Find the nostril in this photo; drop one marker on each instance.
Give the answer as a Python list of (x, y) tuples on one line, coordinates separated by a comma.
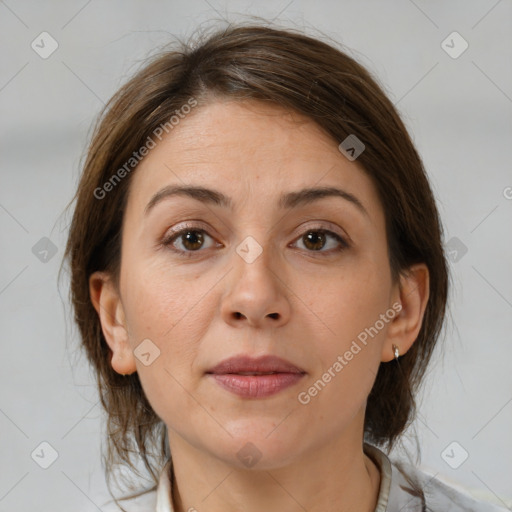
[(237, 315)]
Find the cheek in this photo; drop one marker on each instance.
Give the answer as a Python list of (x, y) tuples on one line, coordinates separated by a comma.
[(348, 357), (160, 301), (352, 329), (167, 310), (174, 310), (354, 299)]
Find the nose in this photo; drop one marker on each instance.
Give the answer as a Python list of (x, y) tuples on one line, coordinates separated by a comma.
[(257, 294)]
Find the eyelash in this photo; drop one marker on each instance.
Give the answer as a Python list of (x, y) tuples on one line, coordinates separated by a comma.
[(168, 240)]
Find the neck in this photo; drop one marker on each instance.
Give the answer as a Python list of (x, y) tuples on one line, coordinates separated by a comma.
[(328, 478)]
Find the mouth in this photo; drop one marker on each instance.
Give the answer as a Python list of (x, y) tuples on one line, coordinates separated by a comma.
[(247, 365), (260, 377), (256, 373)]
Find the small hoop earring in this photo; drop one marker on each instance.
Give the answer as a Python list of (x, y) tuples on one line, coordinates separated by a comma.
[(396, 352)]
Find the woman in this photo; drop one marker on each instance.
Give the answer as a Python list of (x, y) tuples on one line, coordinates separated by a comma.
[(258, 276)]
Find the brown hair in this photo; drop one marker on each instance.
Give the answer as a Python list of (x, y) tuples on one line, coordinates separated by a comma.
[(291, 70)]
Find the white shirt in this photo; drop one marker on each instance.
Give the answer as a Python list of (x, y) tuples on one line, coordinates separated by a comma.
[(395, 495)]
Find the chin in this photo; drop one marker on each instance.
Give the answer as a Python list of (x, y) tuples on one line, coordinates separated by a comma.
[(257, 445)]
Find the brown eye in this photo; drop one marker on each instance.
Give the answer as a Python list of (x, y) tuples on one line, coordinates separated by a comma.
[(314, 240), (192, 240), (188, 240)]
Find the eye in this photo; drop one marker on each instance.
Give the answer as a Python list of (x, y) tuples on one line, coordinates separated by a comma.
[(188, 240), (315, 240)]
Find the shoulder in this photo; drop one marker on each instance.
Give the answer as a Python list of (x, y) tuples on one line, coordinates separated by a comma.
[(406, 488), (438, 496)]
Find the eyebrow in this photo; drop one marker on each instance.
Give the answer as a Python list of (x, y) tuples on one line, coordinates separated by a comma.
[(289, 200)]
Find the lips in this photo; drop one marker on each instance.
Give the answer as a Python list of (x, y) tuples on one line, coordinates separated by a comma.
[(260, 377), (246, 365)]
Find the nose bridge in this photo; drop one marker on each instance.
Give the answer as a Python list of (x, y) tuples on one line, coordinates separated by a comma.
[(255, 291), (255, 273)]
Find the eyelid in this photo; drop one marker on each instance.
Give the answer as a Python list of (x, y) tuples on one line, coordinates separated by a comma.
[(343, 241), (326, 226), (190, 224)]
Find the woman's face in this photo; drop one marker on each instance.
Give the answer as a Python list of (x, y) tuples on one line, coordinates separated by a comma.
[(263, 268)]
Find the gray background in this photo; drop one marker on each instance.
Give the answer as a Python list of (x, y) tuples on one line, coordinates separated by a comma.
[(459, 113)]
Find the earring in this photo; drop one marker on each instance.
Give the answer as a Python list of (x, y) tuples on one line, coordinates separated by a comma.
[(396, 351)]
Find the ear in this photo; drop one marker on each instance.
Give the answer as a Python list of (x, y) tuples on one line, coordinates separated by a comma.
[(411, 293), (107, 303)]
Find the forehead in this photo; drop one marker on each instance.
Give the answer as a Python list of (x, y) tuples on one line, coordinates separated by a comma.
[(245, 149)]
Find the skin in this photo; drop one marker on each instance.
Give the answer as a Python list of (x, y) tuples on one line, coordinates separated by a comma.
[(302, 304)]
